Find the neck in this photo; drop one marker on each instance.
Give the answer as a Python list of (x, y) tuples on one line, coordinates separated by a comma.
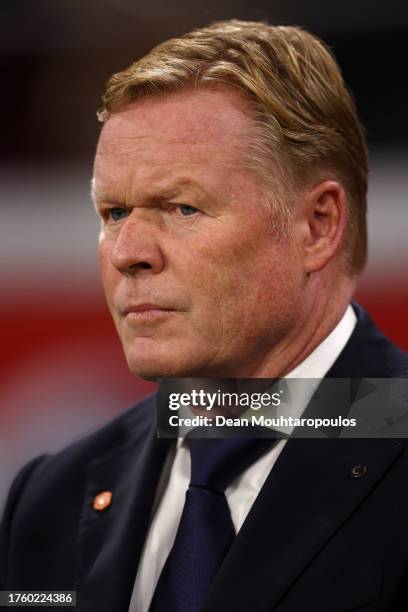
[(320, 313)]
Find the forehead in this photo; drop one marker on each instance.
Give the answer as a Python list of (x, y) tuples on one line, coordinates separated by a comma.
[(193, 130)]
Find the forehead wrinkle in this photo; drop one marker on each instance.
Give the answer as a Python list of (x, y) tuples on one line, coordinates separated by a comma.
[(135, 136), (152, 166), (127, 147)]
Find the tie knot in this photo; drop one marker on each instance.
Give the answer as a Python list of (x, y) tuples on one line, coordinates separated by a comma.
[(216, 462)]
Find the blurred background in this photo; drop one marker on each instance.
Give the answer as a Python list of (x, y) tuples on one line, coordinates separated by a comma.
[(62, 369)]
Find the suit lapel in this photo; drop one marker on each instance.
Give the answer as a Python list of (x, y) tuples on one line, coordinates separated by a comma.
[(111, 541), (368, 353), (306, 498)]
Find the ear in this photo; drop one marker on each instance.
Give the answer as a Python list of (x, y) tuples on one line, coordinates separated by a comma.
[(324, 215)]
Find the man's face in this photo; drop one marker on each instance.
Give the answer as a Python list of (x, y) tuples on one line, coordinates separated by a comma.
[(196, 282)]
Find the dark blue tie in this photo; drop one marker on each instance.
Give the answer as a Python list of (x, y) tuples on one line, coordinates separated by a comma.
[(206, 531)]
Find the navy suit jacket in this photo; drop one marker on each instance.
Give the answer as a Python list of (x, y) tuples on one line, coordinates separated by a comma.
[(315, 539)]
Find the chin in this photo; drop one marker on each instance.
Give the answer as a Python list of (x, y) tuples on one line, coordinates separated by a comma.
[(155, 373), (156, 363), (148, 369)]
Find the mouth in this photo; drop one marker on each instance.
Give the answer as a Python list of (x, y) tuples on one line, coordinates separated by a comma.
[(147, 312)]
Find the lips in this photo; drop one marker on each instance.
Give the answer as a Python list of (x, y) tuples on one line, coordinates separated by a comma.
[(144, 308), (147, 313)]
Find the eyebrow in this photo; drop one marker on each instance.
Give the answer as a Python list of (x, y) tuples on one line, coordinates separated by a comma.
[(164, 193)]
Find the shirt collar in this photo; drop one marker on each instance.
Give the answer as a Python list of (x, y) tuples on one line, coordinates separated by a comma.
[(321, 359)]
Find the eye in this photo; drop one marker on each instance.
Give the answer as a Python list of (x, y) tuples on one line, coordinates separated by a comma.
[(187, 210), (116, 214)]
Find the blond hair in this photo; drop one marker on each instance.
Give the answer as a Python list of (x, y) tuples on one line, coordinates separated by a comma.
[(306, 127)]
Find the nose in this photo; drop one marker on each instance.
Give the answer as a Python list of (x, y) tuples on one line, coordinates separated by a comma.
[(137, 245)]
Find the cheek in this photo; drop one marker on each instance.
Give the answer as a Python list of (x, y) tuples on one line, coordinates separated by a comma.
[(209, 273), (222, 278), (236, 271), (103, 253), (110, 276), (260, 288)]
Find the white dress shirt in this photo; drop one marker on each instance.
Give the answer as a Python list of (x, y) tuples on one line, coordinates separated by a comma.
[(243, 491)]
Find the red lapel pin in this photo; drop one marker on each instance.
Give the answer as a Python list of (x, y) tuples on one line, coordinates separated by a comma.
[(102, 500)]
